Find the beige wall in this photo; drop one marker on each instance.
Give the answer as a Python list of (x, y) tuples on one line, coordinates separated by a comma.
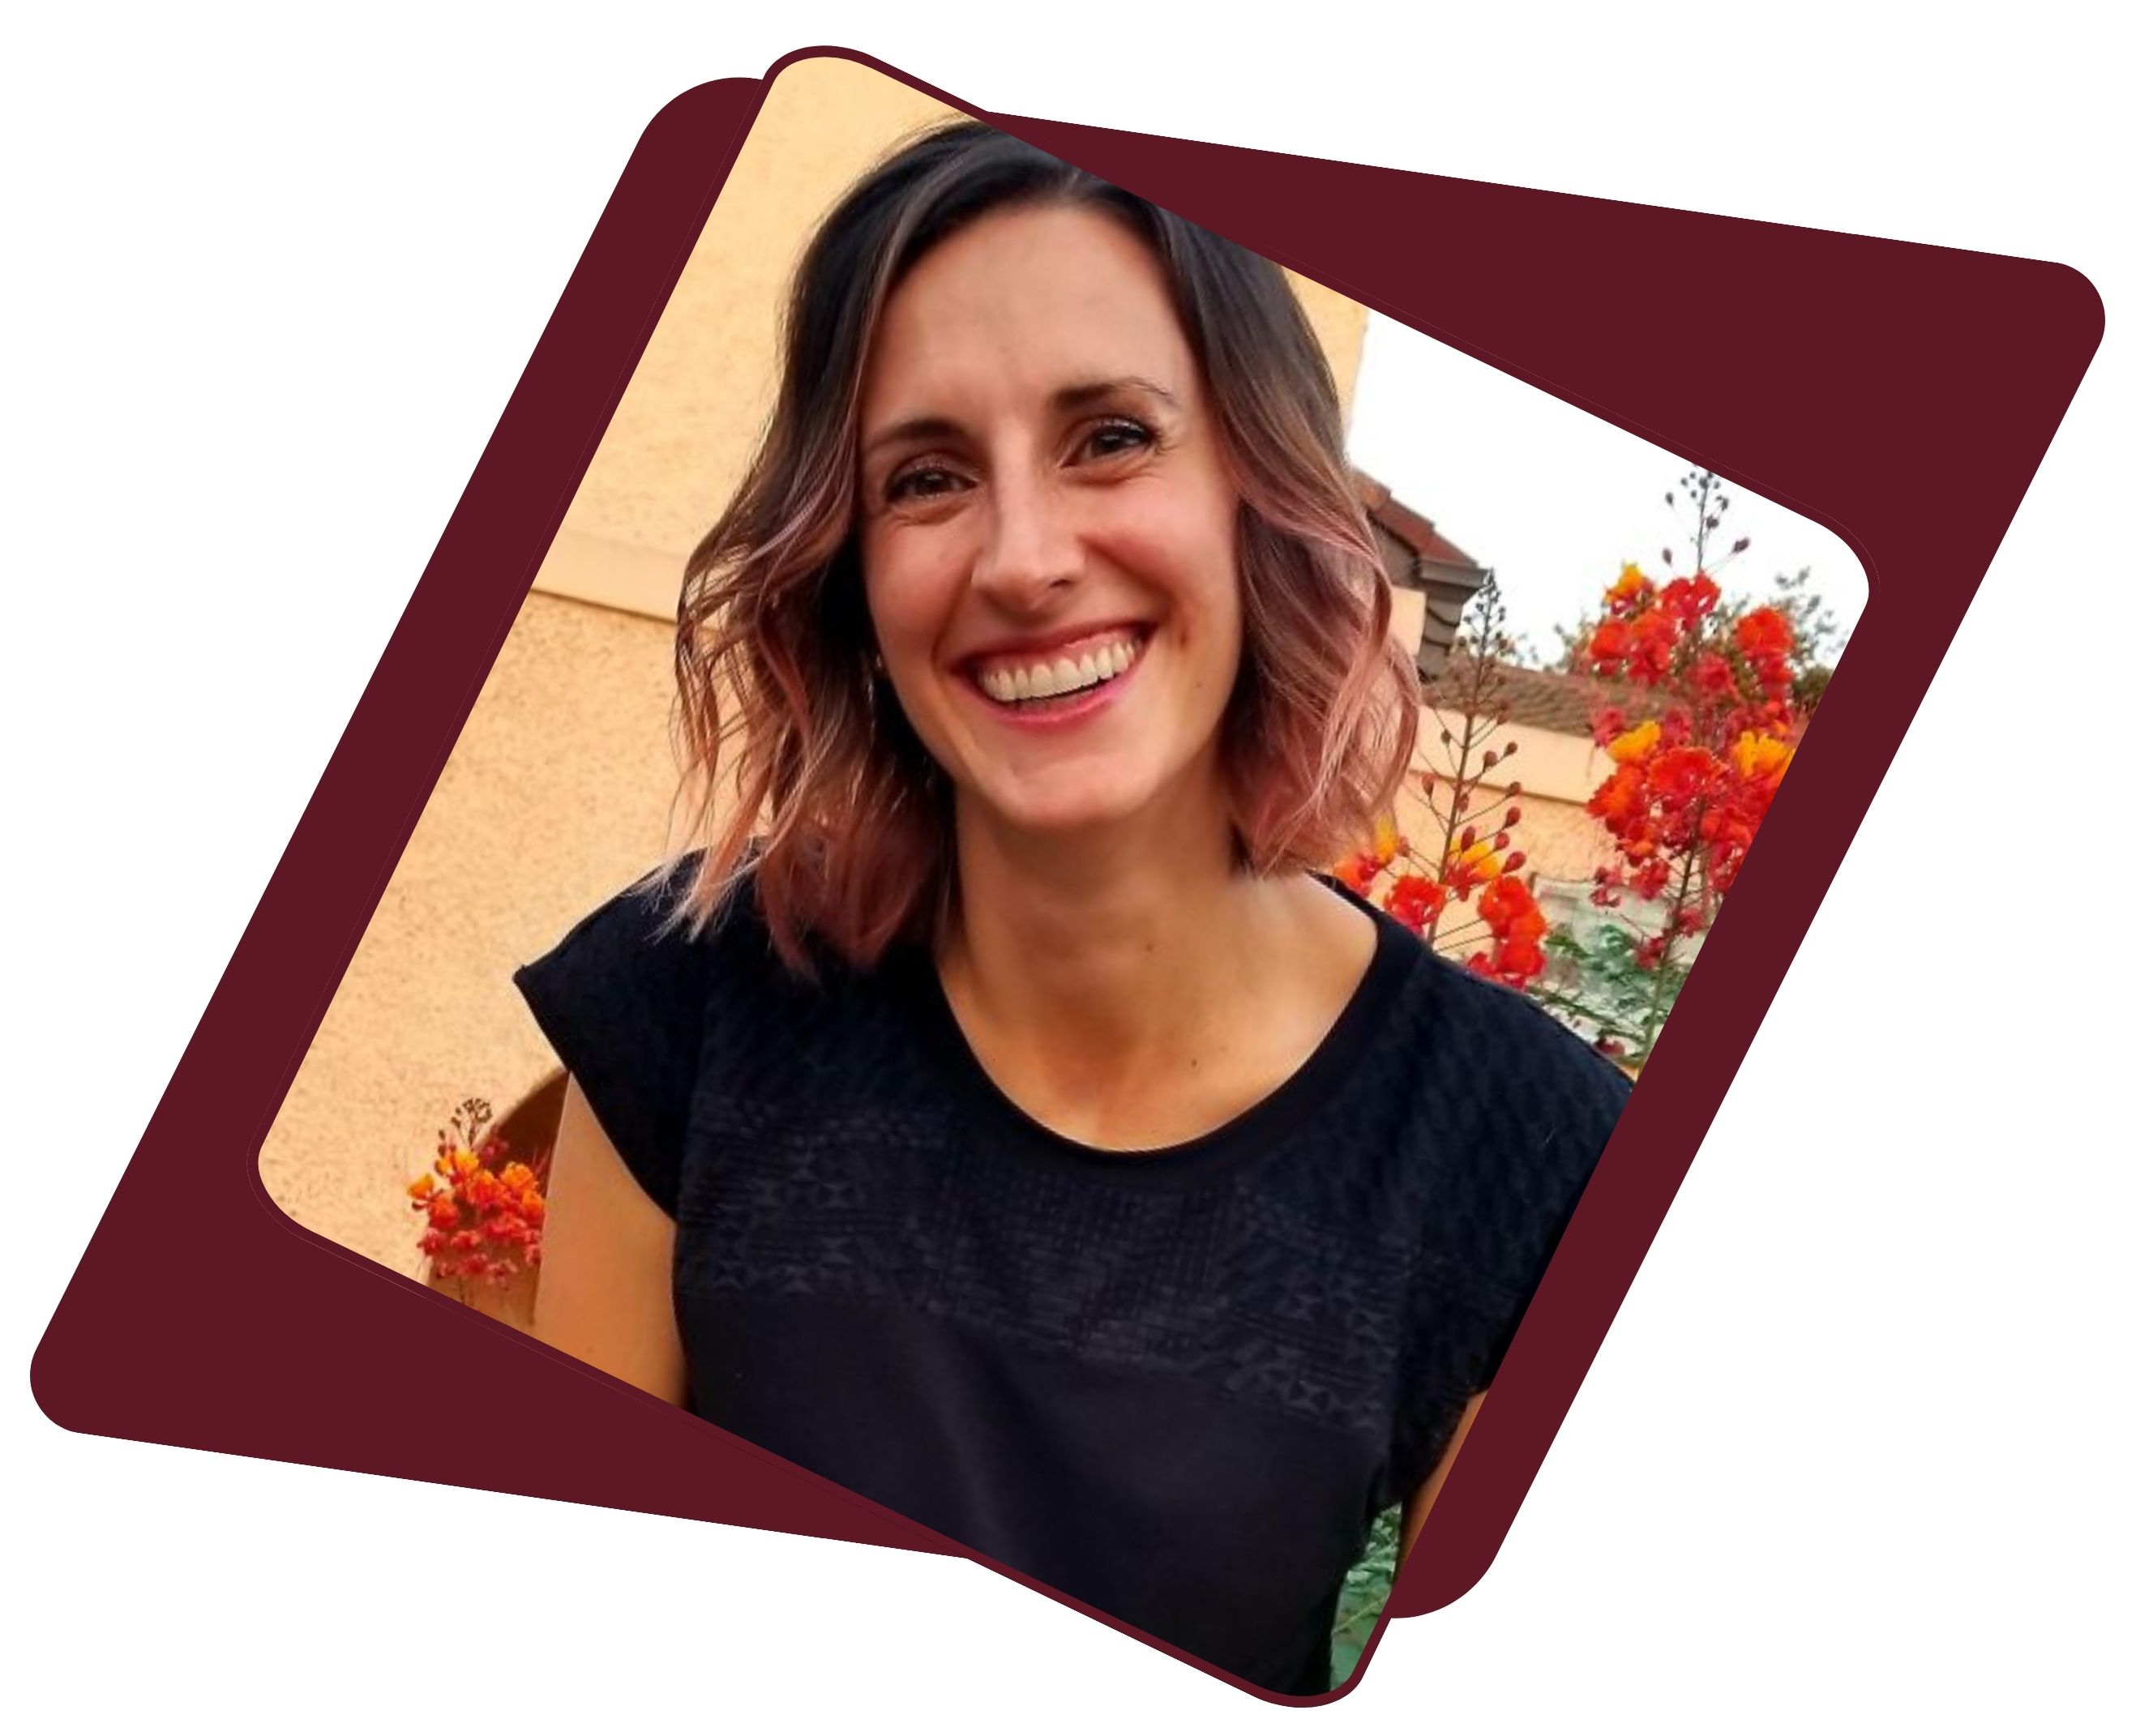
[(557, 792)]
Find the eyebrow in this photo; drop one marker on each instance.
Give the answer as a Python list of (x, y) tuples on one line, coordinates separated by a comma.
[(1080, 395)]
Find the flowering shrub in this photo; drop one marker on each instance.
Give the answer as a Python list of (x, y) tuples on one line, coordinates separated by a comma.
[(1708, 714), (1694, 776), (1460, 892), (1701, 704), (483, 1209)]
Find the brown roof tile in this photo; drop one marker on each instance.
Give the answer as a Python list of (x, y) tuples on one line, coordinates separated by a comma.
[(1408, 526), (1543, 699)]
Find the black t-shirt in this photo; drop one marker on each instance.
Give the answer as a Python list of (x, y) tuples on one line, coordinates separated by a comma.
[(1176, 1386)]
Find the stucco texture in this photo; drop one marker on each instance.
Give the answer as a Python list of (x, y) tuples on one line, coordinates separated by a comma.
[(556, 794)]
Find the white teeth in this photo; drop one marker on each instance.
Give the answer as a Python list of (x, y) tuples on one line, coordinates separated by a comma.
[(1047, 681)]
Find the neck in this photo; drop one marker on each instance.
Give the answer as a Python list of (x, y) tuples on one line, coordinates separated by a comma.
[(1117, 950)]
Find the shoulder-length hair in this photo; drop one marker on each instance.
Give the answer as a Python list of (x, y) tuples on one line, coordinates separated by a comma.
[(836, 812)]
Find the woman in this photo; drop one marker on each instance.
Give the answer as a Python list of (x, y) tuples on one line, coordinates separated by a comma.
[(997, 1115)]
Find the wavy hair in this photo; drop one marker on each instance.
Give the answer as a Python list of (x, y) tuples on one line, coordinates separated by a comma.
[(838, 812)]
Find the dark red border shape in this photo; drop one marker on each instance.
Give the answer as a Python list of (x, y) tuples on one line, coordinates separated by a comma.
[(1901, 395)]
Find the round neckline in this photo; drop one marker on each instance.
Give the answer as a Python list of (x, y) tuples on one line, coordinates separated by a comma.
[(1258, 1128)]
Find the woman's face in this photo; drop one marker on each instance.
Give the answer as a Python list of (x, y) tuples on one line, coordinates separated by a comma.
[(1048, 532)]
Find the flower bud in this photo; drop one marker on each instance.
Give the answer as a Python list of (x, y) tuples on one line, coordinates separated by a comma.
[(1512, 817)]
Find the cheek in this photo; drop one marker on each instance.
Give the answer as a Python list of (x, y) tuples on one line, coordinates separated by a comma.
[(903, 597)]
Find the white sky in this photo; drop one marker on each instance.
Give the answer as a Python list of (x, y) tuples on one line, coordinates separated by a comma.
[(1552, 497)]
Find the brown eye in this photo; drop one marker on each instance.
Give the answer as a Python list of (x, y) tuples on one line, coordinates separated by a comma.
[(928, 482), (1111, 439)]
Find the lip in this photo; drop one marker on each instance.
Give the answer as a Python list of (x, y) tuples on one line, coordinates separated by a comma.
[(1033, 645), (1080, 706)]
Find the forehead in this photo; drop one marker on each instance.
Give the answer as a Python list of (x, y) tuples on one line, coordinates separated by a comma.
[(1018, 304)]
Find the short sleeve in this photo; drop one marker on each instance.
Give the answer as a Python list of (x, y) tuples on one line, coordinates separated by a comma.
[(1520, 1110), (623, 1006), (1562, 1104)]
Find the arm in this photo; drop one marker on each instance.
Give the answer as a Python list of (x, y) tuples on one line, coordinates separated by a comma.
[(1419, 1505), (608, 1258)]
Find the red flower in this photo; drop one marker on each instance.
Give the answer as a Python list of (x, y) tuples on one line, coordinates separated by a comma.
[(1621, 798), (1610, 646), (1681, 775), (1654, 637), (1415, 902), (1689, 600), (1712, 677), (1764, 634)]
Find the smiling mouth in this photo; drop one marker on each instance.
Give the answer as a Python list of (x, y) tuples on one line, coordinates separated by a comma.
[(1038, 683)]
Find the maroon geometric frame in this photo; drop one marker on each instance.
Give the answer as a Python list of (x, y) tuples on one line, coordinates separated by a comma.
[(1901, 395)]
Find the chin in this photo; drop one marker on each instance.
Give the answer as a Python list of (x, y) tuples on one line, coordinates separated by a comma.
[(1076, 806)]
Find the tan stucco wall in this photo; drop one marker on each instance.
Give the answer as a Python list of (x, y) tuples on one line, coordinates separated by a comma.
[(558, 791), (555, 796)]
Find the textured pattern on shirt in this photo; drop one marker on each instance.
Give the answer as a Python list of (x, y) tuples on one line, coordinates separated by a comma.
[(1362, 1273)]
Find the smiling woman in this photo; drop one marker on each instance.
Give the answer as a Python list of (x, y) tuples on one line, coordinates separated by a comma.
[(995, 1111)]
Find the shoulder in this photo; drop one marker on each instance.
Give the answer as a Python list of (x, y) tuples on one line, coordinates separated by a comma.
[(636, 995), (1499, 1118), (1512, 1046), (642, 971), (646, 934), (1463, 1033)]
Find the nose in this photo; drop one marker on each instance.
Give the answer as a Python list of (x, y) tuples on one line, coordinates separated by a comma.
[(1031, 555)]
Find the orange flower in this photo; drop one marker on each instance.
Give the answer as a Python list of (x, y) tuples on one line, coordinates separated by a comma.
[(1758, 755), (1620, 798), (1473, 866), (421, 1188), (1386, 841), (444, 1212), (1634, 746), (1357, 873), (1631, 582)]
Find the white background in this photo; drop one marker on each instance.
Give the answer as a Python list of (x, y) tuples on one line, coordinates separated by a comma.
[(1854, 1455), (1554, 500)]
